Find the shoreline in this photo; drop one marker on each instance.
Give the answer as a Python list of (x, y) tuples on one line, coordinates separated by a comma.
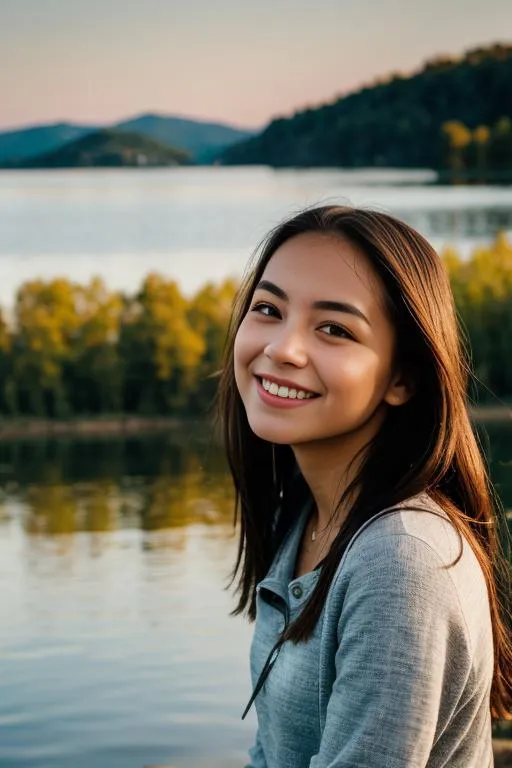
[(12, 429)]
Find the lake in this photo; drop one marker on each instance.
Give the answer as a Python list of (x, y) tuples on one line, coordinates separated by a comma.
[(198, 224), (116, 645)]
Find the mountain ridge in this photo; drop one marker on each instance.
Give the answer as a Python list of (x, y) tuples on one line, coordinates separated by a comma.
[(207, 137), (107, 148)]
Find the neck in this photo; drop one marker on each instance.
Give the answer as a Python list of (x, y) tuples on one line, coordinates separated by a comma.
[(327, 482), (328, 467)]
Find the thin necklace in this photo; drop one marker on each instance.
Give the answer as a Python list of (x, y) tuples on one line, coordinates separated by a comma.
[(314, 532)]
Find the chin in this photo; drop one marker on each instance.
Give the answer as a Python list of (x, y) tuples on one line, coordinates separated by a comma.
[(272, 433), (279, 434)]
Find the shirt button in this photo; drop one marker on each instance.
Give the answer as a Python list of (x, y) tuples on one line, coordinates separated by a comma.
[(297, 591)]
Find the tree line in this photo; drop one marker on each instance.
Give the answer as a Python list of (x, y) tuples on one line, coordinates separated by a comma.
[(482, 287), (71, 349), (78, 350)]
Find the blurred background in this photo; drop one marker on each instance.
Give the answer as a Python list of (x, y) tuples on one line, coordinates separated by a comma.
[(145, 150)]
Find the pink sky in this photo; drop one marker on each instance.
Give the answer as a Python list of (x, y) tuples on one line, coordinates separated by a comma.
[(227, 60)]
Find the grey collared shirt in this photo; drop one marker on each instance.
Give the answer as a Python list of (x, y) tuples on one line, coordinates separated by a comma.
[(399, 668)]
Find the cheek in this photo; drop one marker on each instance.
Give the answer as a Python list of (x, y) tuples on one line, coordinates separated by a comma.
[(359, 371), (248, 342), (243, 352), (240, 347)]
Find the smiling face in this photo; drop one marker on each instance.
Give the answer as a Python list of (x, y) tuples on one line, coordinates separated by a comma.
[(314, 355)]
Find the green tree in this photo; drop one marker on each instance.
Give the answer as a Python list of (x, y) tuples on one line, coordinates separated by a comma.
[(94, 375), (8, 402), (501, 145)]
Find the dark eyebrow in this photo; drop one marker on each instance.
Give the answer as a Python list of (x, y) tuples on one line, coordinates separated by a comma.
[(331, 306), (266, 285)]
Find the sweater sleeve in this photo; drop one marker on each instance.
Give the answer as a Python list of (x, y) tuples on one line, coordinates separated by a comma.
[(256, 754), (401, 643)]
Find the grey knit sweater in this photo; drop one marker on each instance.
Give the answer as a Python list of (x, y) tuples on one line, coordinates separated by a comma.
[(398, 671)]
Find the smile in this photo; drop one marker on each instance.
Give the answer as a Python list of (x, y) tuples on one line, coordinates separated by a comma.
[(285, 392), (283, 395)]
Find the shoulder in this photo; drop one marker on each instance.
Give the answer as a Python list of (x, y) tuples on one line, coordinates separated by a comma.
[(418, 525), (409, 558)]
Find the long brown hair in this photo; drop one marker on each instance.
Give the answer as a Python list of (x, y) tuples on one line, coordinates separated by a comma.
[(434, 446)]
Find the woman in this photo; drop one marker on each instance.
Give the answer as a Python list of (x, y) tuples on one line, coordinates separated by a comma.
[(369, 553)]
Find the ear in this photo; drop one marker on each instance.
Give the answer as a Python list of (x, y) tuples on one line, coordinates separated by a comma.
[(400, 390)]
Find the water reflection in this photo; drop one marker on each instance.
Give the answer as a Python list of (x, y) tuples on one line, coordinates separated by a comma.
[(152, 483), (99, 485)]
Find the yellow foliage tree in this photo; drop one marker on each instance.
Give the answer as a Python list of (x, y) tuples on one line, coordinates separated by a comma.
[(481, 134), (459, 136), (174, 344), (46, 323), (161, 349), (96, 374), (100, 314), (209, 314)]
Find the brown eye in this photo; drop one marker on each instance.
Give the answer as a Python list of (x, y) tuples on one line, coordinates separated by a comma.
[(335, 330), (265, 309)]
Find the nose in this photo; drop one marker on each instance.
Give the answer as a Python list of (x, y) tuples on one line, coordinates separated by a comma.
[(287, 348)]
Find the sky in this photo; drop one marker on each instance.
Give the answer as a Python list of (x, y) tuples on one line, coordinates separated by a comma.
[(234, 61)]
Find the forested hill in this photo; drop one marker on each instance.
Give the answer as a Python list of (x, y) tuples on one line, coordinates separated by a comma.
[(107, 148), (393, 123)]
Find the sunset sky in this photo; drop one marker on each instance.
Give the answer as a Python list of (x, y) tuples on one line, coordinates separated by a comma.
[(99, 61)]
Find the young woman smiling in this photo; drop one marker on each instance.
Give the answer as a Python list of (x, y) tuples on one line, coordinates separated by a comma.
[(369, 549)]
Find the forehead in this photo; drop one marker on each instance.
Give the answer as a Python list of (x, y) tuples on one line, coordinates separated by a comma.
[(315, 266)]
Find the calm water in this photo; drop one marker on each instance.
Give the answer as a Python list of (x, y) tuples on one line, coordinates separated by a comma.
[(196, 224), (116, 648)]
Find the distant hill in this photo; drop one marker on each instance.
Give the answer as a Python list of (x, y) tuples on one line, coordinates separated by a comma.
[(108, 148), (203, 141), (16, 145), (393, 123)]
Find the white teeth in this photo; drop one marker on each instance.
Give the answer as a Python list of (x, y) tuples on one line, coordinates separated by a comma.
[(285, 392)]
